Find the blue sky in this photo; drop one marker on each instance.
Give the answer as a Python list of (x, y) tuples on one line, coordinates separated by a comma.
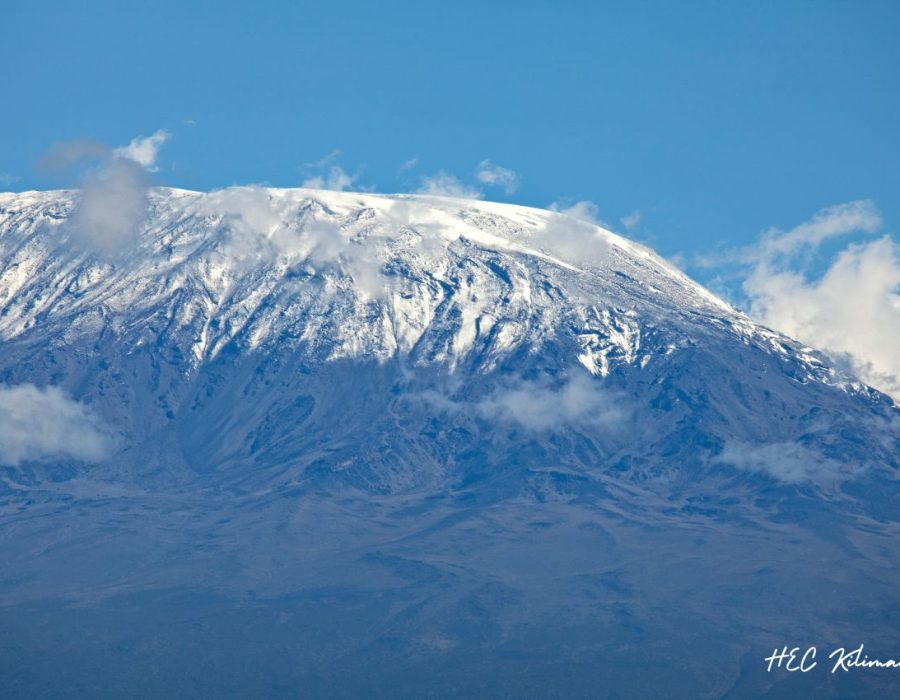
[(714, 120)]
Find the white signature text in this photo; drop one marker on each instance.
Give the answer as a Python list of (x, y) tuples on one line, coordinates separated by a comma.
[(800, 659)]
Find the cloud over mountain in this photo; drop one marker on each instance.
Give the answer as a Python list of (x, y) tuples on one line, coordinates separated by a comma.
[(38, 424)]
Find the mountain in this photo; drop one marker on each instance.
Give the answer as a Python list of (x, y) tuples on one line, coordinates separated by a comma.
[(301, 443)]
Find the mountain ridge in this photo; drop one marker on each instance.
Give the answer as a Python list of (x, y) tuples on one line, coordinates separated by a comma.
[(421, 446), (242, 211)]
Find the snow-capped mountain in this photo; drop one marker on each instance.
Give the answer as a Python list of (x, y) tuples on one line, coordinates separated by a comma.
[(426, 429), (426, 278)]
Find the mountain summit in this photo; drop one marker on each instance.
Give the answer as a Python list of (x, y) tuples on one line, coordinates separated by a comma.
[(442, 443)]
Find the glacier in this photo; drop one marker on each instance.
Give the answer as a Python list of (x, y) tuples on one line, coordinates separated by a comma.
[(415, 446)]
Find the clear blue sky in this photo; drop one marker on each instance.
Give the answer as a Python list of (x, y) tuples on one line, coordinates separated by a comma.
[(714, 119)]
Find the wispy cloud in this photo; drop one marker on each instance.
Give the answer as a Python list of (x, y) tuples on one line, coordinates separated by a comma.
[(838, 220), (112, 203), (852, 310), (630, 221), (327, 174), (494, 175), (789, 462), (583, 210), (113, 194), (42, 424), (573, 233), (261, 228), (6, 179), (443, 184), (336, 178), (64, 154), (541, 405), (446, 184)]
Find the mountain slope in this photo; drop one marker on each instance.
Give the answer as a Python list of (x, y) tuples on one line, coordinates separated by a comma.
[(437, 292), (404, 434)]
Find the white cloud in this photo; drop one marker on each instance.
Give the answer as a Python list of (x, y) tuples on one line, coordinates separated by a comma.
[(6, 179), (629, 221), (251, 223), (833, 221), (409, 163), (113, 195), (111, 204), (583, 210), (789, 462), (143, 150), (494, 175), (327, 174), (336, 178), (43, 424), (443, 184), (574, 233), (262, 228), (540, 406), (852, 310)]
